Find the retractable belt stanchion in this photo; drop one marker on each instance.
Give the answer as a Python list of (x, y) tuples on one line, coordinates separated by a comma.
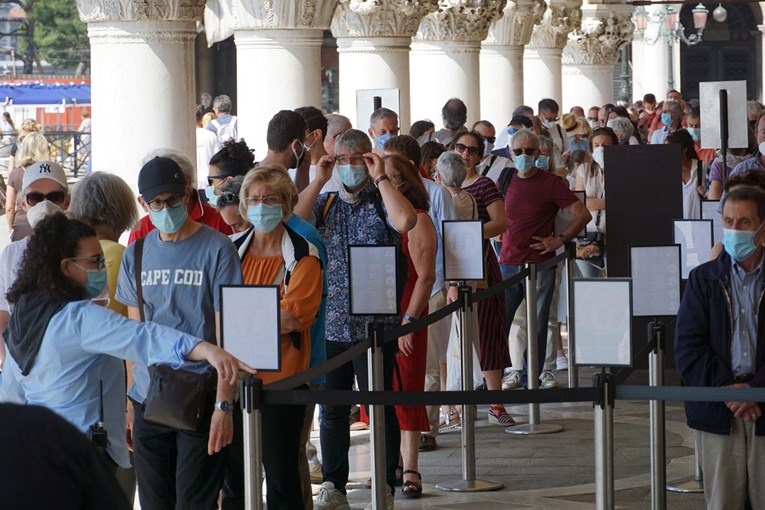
[(573, 369), (658, 440), (468, 483), (534, 426), (250, 401), (604, 441), (693, 483), (377, 416)]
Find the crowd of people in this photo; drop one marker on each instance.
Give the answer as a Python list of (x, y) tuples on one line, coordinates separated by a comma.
[(107, 316)]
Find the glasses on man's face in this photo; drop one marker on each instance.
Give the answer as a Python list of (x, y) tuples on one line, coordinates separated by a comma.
[(267, 200), (173, 202), (460, 148), (355, 159), (528, 152), (99, 262), (35, 197)]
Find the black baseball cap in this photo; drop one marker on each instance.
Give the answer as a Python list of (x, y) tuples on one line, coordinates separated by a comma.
[(160, 175)]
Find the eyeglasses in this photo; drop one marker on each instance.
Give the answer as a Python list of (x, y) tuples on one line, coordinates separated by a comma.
[(35, 197), (100, 262), (356, 159), (211, 178), (173, 202), (528, 152), (267, 200), (471, 150)]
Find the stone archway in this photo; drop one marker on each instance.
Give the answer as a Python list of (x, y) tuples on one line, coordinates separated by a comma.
[(729, 50)]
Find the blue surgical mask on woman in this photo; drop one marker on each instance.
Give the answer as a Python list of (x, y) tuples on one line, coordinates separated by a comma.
[(96, 281), (352, 176), (542, 162), (212, 198), (170, 219), (739, 244), (523, 163), (265, 218)]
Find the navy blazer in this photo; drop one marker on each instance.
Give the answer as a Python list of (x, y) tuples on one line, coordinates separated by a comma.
[(703, 343)]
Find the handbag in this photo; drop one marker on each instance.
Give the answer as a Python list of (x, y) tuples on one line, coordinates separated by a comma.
[(592, 247), (176, 398)]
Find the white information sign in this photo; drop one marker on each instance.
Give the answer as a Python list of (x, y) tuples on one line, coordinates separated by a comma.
[(695, 240), (710, 112), (250, 316), (655, 272), (463, 250), (373, 280), (602, 321), (709, 211), (365, 101)]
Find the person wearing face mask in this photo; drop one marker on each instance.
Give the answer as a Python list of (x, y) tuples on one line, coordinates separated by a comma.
[(576, 130), (316, 131), (383, 125), (232, 160), (272, 253), (54, 313), (693, 126), (692, 174), (671, 118), (183, 263), (592, 117), (532, 202), (505, 138), (548, 115), (492, 165), (719, 342), (196, 209), (757, 161), (732, 159)]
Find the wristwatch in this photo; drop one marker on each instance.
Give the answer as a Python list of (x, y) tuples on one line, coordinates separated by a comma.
[(224, 406), (563, 238)]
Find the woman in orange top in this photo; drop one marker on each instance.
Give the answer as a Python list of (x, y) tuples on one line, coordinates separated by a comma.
[(273, 254)]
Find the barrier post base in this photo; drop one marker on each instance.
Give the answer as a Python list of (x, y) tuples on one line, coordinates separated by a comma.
[(530, 429), (687, 485), (470, 486)]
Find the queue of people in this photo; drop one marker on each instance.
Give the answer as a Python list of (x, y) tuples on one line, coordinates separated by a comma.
[(107, 316)]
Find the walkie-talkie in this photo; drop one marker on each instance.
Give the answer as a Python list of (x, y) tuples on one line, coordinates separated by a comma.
[(97, 432)]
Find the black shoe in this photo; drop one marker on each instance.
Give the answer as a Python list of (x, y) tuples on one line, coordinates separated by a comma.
[(427, 443)]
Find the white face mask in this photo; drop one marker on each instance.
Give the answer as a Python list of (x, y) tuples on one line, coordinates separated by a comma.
[(598, 154), (761, 147), (41, 210)]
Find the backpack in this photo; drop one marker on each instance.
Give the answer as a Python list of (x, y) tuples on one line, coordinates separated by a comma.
[(227, 131), (504, 176), (402, 263)]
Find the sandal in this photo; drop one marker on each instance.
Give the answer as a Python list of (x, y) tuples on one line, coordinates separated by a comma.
[(498, 416), (450, 422), (410, 489)]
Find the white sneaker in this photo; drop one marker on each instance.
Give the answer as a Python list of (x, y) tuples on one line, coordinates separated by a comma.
[(314, 469), (561, 363), (547, 380), (330, 498), (511, 381), (388, 500)]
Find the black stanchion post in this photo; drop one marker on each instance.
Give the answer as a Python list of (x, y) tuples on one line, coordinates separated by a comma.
[(656, 334), (724, 134), (604, 441), (532, 357), (573, 369), (468, 483), (250, 400), (377, 415)]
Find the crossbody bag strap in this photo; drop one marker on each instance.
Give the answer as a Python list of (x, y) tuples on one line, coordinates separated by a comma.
[(138, 287)]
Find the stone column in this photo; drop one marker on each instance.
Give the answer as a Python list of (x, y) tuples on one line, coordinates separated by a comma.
[(650, 57), (592, 51), (373, 41), (502, 59), (142, 72), (278, 60), (542, 58), (761, 56), (445, 56)]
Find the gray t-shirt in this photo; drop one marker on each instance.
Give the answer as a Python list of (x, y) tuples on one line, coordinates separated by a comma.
[(180, 282)]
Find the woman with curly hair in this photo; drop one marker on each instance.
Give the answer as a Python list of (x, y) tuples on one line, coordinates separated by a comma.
[(233, 159), (62, 344)]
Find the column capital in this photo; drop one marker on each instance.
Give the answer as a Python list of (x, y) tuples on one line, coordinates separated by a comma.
[(604, 30), (94, 11), (514, 28), (560, 18), (380, 18), (282, 14), (460, 20)]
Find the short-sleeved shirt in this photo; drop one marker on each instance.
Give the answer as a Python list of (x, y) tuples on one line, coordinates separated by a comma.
[(346, 224), (15, 179), (180, 282), (531, 206), (752, 163), (485, 193)]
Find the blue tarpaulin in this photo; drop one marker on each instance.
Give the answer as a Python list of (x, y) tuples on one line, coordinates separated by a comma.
[(45, 93)]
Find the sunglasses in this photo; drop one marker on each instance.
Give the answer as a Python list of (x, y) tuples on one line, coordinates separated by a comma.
[(471, 150), (528, 152), (211, 178), (35, 197)]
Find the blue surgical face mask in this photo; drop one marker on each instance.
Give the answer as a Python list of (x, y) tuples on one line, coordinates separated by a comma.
[(694, 132), (511, 131), (96, 281), (523, 163), (352, 176), (212, 198), (170, 219), (264, 217), (739, 244), (381, 139), (542, 162), (666, 119)]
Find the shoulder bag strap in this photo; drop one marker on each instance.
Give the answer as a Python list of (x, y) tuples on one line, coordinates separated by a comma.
[(138, 288)]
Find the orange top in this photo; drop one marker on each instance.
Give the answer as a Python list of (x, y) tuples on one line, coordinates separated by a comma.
[(301, 300)]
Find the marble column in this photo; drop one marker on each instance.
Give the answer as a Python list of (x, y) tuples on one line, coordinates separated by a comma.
[(373, 42), (592, 51), (761, 55), (444, 62), (502, 59), (142, 73), (650, 58), (542, 57), (278, 60)]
